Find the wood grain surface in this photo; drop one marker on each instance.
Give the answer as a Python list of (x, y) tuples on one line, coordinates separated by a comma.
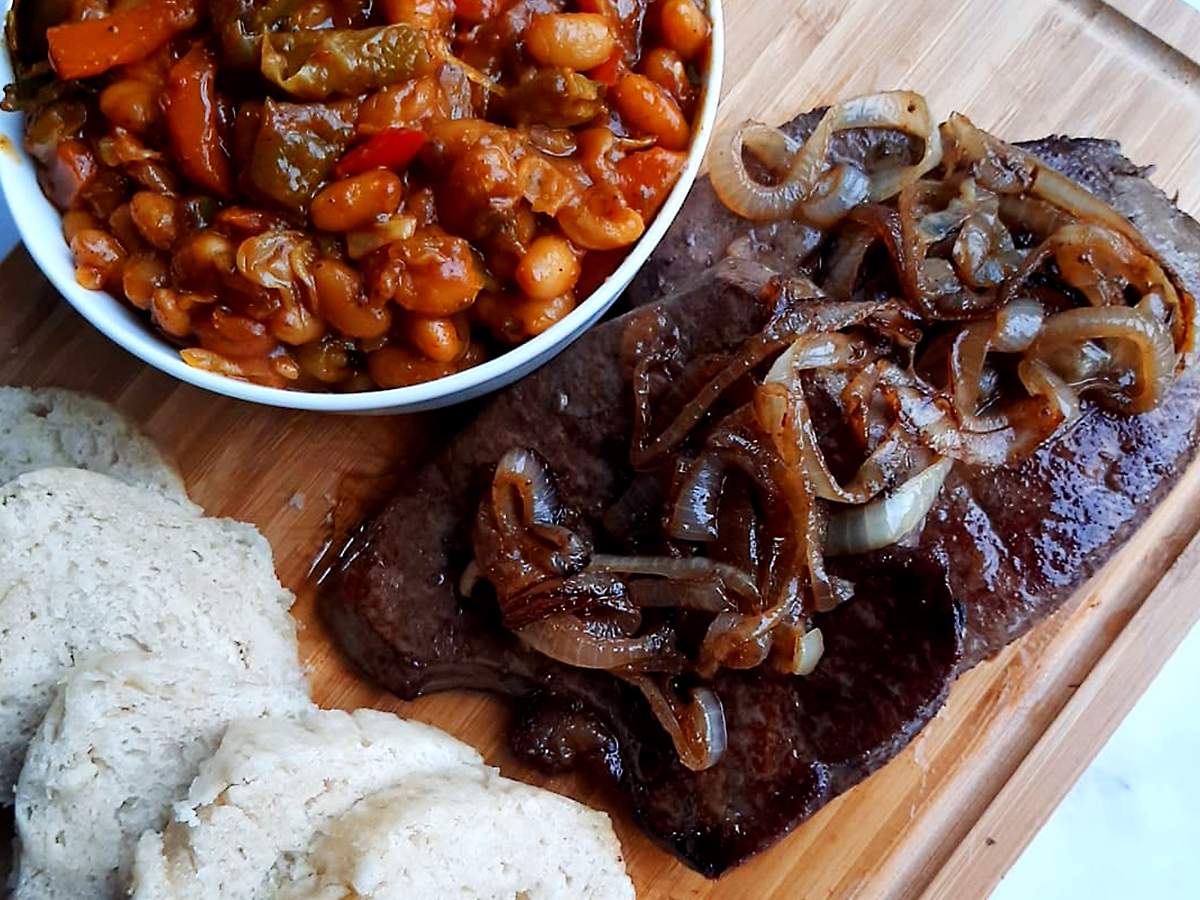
[(1171, 21), (949, 815)]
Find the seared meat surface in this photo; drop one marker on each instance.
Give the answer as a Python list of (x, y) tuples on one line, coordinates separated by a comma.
[(1016, 541), (1000, 550)]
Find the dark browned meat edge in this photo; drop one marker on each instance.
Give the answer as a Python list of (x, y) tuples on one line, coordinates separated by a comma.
[(1001, 550)]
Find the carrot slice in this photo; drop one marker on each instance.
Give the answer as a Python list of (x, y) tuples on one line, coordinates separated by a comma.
[(193, 121), (93, 46)]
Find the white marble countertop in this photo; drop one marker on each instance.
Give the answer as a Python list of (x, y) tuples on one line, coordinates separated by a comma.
[(1128, 827)]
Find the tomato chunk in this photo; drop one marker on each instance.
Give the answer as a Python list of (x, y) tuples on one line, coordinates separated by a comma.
[(610, 71), (648, 176)]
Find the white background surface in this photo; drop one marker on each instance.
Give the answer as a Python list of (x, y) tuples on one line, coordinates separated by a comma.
[(1128, 828)]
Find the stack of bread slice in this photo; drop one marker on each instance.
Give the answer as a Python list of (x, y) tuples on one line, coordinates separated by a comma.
[(157, 738)]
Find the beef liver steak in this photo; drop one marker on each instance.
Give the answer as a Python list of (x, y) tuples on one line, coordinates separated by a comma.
[(1001, 550)]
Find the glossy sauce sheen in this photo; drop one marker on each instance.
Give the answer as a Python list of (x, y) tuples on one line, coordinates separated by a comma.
[(1001, 550), (365, 133)]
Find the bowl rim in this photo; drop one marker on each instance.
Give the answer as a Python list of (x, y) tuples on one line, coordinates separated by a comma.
[(128, 330)]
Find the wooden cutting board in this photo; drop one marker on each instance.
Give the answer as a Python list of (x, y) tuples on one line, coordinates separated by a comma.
[(948, 816)]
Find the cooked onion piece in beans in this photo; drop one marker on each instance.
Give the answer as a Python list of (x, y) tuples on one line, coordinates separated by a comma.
[(390, 190)]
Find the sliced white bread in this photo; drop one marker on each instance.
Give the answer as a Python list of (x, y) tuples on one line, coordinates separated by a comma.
[(90, 565), (122, 741), (468, 833), (43, 428), (271, 787)]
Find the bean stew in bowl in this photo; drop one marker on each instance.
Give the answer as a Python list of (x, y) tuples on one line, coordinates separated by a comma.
[(354, 204)]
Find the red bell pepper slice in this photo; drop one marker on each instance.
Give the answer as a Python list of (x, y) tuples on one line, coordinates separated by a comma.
[(392, 148)]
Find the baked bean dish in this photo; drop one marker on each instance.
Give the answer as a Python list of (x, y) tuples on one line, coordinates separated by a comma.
[(347, 194)]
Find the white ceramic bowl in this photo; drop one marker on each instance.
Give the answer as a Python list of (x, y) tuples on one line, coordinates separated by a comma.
[(40, 226)]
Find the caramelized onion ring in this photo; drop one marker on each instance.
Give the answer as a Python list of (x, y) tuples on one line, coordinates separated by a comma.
[(696, 727), (743, 194), (738, 641), (659, 593), (689, 569), (1025, 425), (567, 639), (784, 414), (838, 192), (795, 651), (967, 145), (694, 513), (886, 520), (533, 519), (1155, 360), (803, 318), (1017, 325)]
